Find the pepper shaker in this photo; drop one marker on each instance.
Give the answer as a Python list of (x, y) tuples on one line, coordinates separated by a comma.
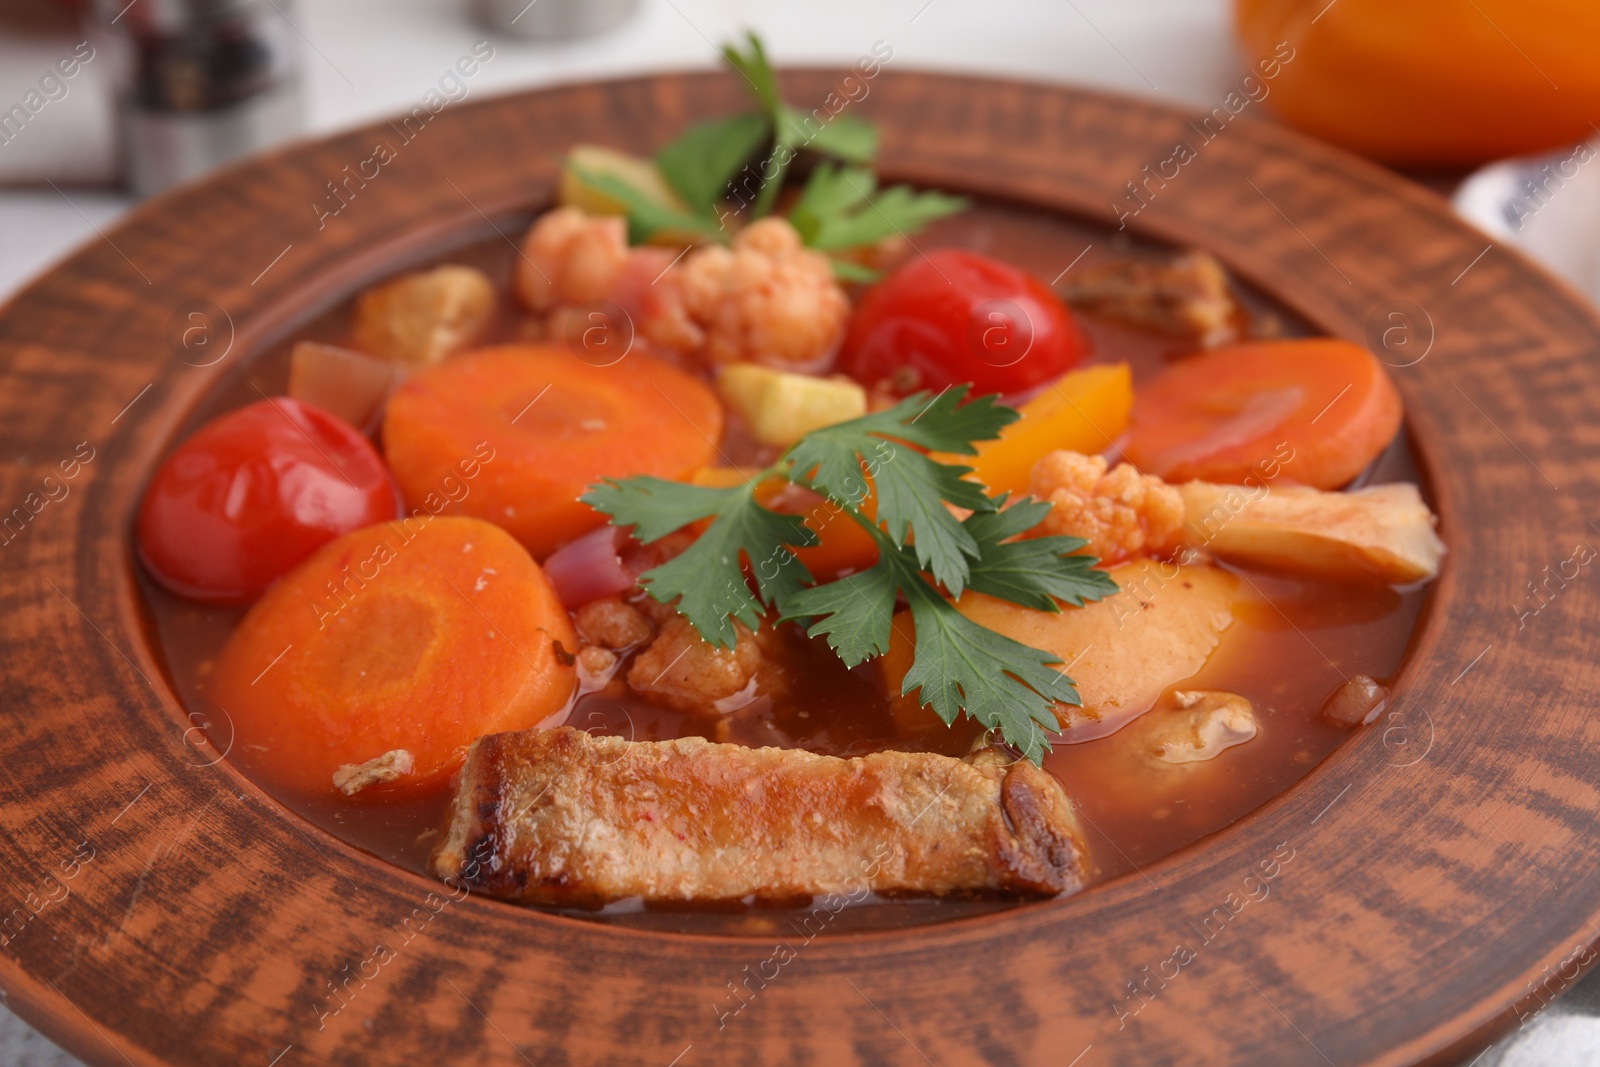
[(199, 83)]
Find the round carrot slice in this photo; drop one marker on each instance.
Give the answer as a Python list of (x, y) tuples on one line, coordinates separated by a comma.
[(374, 664), (1313, 411), (535, 426)]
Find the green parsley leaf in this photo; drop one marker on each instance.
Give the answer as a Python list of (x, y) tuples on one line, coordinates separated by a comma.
[(708, 576), (846, 271), (699, 162), (646, 216), (961, 666), (910, 488), (1035, 573), (957, 665), (852, 613), (837, 208), (842, 136), (758, 74)]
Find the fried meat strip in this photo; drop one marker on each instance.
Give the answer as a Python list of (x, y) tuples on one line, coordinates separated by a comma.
[(1187, 296), (565, 817)]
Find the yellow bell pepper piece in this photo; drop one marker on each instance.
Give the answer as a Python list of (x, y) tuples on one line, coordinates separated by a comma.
[(1085, 410)]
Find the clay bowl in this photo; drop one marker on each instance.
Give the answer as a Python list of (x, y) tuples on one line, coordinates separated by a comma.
[(1441, 873)]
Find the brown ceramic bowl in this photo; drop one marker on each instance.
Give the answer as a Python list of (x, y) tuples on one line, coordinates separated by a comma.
[(1442, 873)]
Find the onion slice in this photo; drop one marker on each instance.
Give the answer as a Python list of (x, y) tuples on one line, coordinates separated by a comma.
[(349, 384), (590, 567)]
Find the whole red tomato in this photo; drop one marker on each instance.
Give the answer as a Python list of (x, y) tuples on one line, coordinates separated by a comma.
[(953, 316), (253, 493)]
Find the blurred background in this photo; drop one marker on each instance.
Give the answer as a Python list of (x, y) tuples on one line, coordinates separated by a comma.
[(1492, 103)]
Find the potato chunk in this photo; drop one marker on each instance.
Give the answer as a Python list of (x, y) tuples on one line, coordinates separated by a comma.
[(1382, 531), (682, 670), (780, 408), (420, 318), (1126, 650)]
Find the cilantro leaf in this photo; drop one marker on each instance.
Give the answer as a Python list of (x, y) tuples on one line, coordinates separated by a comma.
[(699, 162), (646, 216), (961, 666), (837, 209), (655, 507), (847, 271), (709, 575), (852, 613), (763, 84), (757, 73), (842, 136), (910, 489), (1035, 573), (957, 665)]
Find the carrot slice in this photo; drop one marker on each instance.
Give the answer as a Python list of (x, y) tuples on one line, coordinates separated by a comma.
[(401, 642), (553, 425), (1315, 410)]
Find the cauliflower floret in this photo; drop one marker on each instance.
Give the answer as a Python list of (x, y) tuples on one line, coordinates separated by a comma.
[(1121, 514), (682, 670), (570, 257), (767, 298)]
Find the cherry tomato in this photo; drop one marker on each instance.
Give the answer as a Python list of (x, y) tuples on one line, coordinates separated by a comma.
[(253, 493), (954, 316)]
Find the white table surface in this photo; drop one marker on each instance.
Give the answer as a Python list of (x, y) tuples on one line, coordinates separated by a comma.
[(366, 59)]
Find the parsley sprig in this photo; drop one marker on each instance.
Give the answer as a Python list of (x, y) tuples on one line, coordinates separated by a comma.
[(743, 566), (731, 170)]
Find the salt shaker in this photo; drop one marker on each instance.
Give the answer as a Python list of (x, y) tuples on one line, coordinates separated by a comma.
[(199, 83), (555, 20)]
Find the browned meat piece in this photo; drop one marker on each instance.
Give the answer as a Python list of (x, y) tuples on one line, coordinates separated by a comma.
[(610, 623), (1186, 296), (564, 817), (682, 670), (418, 319)]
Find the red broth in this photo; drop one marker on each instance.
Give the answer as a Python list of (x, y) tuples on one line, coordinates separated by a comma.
[(1298, 644)]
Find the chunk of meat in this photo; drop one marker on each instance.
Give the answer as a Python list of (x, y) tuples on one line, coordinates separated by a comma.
[(682, 670), (1122, 514), (565, 817), (1187, 295), (1382, 532), (420, 318), (1205, 724), (612, 623), (595, 665), (570, 257)]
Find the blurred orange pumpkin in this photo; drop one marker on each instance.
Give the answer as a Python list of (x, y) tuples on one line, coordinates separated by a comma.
[(1432, 82)]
